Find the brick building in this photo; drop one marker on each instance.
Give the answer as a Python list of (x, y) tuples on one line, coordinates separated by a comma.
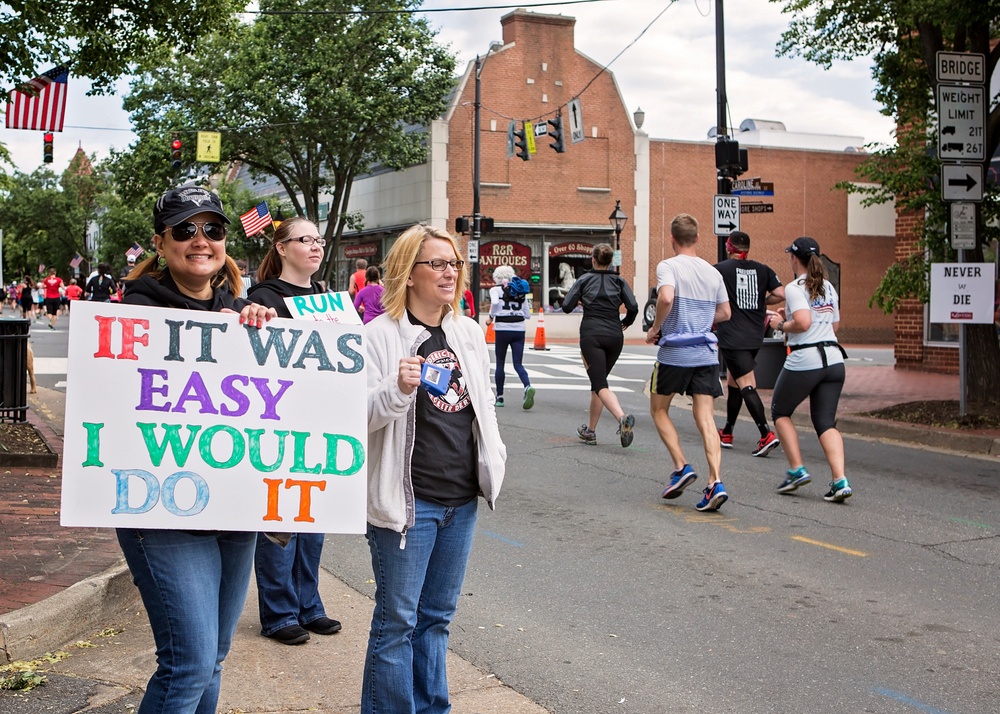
[(551, 210)]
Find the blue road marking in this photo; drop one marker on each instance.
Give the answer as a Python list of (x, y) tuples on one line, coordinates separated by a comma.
[(912, 702), (502, 539)]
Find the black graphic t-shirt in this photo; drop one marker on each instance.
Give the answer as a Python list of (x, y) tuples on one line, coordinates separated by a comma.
[(747, 283), (443, 466)]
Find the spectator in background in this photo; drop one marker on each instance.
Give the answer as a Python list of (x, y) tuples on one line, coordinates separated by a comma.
[(368, 301), (469, 304), (245, 276), (357, 277), (129, 264)]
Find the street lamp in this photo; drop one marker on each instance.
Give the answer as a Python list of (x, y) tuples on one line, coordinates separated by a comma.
[(618, 220), (477, 217)]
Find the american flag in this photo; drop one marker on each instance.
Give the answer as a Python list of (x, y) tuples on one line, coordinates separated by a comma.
[(40, 104), (135, 251), (77, 259), (256, 219)]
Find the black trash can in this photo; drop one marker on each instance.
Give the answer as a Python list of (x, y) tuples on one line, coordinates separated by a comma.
[(770, 360), (14, 369)]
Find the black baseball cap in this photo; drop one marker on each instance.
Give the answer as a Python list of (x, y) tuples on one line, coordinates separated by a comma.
[(803, 247), (179, 204)]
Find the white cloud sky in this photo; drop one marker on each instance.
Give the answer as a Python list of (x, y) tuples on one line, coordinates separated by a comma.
[(669, 72)]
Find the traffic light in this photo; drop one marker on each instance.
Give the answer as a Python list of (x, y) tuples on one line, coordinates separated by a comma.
[(556, 133), (175, 153), (47, 147), (521, 144), (462, 225)]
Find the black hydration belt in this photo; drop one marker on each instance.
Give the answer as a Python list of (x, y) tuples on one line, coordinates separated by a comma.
[(821, 347)]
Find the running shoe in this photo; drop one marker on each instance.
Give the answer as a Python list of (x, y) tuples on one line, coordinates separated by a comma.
[(766, 445), (625, 425), (715, 496), (499, 402), (679, 480), (839, 491), (793, 479), (529, 397), (586, 435), (725, 439)]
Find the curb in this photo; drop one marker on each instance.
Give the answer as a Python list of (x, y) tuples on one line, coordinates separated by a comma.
[(75, 612), (948, 439)]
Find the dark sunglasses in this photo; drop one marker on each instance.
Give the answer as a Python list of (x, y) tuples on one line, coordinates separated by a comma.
[(189, 229)]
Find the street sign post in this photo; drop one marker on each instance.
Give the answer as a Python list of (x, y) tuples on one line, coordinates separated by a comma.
[(727, 214), (962, 182), (961, 122)]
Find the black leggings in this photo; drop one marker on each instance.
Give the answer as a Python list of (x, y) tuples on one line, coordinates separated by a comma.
[(822, 386), (514, 339), (600, 352)]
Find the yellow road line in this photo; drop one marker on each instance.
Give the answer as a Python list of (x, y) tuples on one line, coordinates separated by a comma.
[(821, 544)]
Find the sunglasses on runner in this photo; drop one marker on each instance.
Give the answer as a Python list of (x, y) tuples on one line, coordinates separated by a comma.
[(189, 229)]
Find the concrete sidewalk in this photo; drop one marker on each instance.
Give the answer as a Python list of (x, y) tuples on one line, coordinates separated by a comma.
[(59, 585)]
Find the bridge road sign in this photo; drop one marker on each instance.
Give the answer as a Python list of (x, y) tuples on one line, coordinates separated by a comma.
[(727, 214)]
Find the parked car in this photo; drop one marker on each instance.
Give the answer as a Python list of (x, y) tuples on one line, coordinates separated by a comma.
[(649, 311)]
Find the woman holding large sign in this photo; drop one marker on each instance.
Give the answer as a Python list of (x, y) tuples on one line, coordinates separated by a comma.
[(288, 597), (193, 583), (434, 448)]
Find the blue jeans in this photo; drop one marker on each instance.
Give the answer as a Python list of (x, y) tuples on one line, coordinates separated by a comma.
[(515, 340), (288, 581), (416, 593), (193, 586)]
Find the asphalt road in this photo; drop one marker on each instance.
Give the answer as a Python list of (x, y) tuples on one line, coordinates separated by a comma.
[(589, 593)]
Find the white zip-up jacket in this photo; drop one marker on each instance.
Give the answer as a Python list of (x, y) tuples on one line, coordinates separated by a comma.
[(392, 415)]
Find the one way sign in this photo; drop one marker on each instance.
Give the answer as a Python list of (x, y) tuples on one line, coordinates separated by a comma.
[(727, 214)]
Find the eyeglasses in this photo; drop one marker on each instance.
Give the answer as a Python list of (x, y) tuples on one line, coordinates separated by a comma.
[(439, 264), (189, 229), (308, 240)]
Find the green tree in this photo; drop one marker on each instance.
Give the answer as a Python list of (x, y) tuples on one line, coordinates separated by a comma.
[(41, 224), (902, 38), (102, 39), (312, 100)]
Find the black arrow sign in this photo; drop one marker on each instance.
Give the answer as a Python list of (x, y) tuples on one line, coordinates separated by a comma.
[(731, 226), (968, 182)]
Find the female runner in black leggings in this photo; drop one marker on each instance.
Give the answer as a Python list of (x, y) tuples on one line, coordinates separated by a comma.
[(602, 293)]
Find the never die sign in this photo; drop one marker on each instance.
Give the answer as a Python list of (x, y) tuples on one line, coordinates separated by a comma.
[(187, 419)]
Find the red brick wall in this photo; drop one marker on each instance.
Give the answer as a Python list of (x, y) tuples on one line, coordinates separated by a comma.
[(683, 179)]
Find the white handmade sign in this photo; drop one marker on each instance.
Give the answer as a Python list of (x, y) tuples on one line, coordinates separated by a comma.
[(324, 307), (188, 419), (962, 292)]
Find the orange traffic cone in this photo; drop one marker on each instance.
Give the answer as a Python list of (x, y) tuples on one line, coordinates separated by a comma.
[(540, 331), (491, 335)]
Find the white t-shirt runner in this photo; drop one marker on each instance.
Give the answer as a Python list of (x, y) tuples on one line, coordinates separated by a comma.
[(825, 311), (698, 289)]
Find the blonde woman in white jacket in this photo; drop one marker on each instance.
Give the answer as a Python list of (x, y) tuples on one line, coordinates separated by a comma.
[(434, 449)]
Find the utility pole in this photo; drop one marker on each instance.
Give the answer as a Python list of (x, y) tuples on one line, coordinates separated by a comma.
[(725, 185), (477, 217)]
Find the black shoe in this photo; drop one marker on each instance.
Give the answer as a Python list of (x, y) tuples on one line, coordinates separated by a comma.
[(323, 626), (291, 635)]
